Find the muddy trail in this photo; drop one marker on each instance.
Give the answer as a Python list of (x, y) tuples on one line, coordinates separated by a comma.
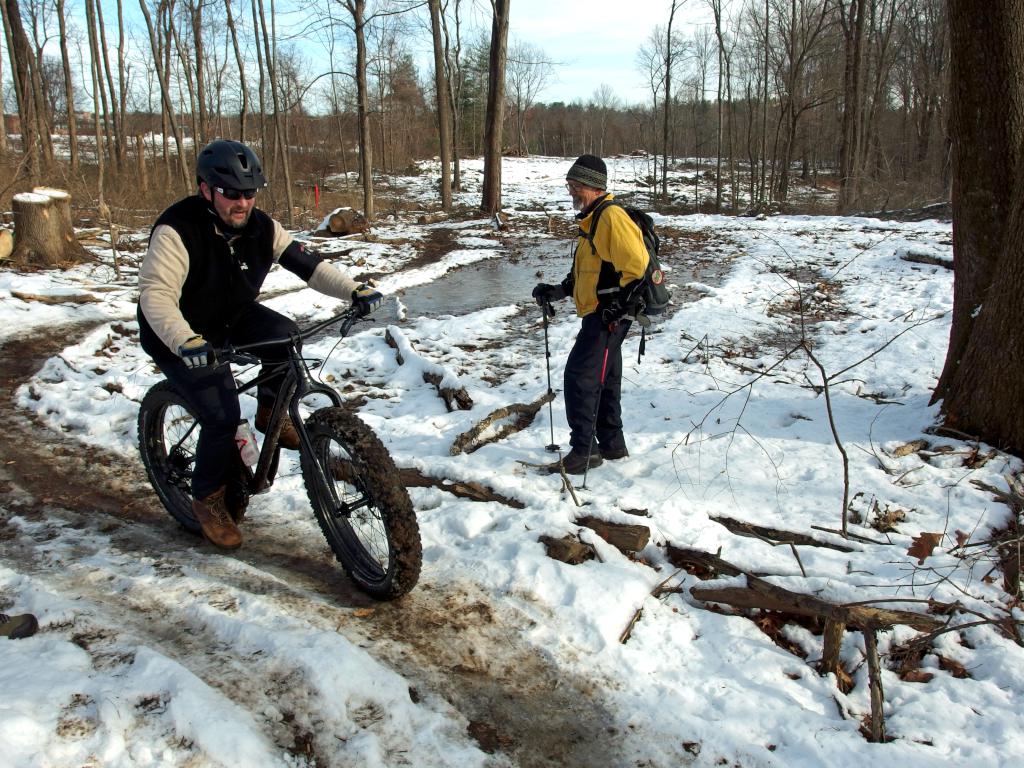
[(456, 645)]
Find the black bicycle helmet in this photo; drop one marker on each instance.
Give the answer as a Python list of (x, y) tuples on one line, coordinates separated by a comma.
[(229, 164)]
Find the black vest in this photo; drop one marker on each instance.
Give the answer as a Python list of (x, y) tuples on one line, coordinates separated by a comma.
[(223, 277)]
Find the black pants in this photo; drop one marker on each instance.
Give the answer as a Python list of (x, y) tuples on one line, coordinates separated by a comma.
[(212, 394), (584, 390)]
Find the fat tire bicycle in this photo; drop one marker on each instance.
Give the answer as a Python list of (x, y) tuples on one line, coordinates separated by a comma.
[(351, 480)]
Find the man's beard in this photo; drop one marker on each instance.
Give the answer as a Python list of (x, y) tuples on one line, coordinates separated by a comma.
[(237, 227)]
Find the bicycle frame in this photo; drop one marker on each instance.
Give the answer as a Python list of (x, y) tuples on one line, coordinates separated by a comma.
[(298, 383)]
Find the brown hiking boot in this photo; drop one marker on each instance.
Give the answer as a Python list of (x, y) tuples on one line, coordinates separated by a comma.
[(288, 438), (215, 520), (17, 627)]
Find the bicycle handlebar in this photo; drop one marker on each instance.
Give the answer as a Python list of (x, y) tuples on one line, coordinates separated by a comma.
[(233, 354)]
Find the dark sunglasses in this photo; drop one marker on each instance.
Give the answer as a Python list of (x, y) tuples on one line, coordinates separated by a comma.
[(235, 194)]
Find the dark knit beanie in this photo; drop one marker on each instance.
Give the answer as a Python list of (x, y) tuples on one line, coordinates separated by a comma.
[(589, 170)]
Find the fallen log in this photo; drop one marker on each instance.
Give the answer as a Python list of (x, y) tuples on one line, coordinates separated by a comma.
[(929, 259), (465, 489), (763, 595), (473, 438), (776, 535), (432, 373), (625, 538), (567, 549)]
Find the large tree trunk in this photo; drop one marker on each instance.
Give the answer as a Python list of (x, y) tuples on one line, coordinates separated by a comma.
[(981, 384), (852, 18), (491, 199)]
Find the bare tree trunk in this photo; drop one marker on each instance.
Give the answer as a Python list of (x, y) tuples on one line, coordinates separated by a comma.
[(981, 382), (21, 74), (122, 74), (667, 99), (262, 85), (278, 129), (762, 195), (243, 115), (453, 62), (491, 198), (165, 96), (716, 8), (357, 9), (96, 86), (441, 88), (852, 18), (195, 10), (69, 91), (114, 131)]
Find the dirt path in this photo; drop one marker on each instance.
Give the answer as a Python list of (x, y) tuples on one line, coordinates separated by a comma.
[(453, 644)]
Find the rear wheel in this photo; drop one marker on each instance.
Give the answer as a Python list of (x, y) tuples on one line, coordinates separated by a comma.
[(168, 434), (361, 505)]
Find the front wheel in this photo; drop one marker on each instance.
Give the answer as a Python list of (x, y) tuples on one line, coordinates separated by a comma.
[(361, 505), (168, 435)]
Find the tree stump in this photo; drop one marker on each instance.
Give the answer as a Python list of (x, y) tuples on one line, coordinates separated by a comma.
[(43, 234), (345, 221)]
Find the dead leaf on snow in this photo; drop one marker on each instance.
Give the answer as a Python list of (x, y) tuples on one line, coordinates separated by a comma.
[(923, 545)]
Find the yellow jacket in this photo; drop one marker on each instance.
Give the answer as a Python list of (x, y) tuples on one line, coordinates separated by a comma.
[(620, 257)]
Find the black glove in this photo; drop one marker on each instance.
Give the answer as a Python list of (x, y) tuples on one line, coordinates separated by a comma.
[(545, 293), (366, 299), (631, 298), (196, 353), (611, 311)]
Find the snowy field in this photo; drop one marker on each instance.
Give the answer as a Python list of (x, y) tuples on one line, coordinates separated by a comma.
[(725, 418)]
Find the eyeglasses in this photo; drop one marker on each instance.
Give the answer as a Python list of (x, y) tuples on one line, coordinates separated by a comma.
[(235, 194), (574, 187)]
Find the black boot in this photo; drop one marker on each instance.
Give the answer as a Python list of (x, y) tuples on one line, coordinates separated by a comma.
[(575, 463)]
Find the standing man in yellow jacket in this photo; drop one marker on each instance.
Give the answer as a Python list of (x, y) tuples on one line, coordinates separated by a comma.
[(604, 283)]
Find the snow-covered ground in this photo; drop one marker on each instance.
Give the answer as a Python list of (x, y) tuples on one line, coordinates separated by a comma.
[(725, 417)]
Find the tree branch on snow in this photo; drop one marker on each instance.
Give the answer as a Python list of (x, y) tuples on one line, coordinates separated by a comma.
[(446, 382)]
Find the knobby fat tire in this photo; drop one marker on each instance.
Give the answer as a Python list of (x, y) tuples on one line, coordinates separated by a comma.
[(372, 468), (152, 426)]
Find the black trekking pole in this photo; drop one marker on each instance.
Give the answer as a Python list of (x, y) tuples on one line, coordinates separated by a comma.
[(597, 405), (549, 312)]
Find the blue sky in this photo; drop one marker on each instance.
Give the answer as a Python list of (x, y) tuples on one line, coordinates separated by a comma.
[(596, 42)]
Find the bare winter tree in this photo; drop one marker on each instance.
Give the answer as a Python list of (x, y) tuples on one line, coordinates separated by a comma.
[(491, 198), (604, 102), (527, 72), (981, 384), (69, 89), (444, 132), (670, 53), (22, 67)]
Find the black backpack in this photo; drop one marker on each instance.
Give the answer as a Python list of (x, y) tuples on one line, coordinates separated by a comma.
[(654, 293)]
